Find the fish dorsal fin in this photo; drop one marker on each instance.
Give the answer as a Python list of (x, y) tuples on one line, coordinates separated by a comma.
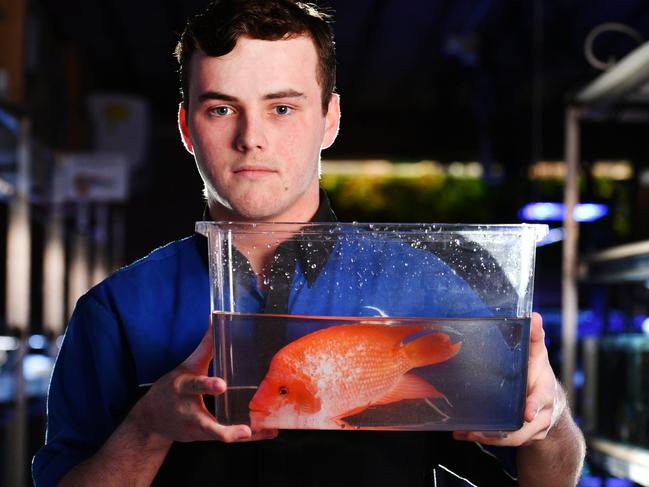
[(303, 395), (430, 349), (410, 386), (396, 333)]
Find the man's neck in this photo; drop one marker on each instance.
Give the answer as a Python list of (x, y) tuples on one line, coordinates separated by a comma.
[(220, 213), (259, 250)]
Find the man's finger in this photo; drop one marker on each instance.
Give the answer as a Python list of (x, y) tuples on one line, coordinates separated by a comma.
[(499, 438), (543, 396), (532, 409), (228, 434), (264, 435), (202, 385), (537, 332), (538, 354)]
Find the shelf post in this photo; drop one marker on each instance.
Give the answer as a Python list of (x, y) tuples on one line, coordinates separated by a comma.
[(569, 303)]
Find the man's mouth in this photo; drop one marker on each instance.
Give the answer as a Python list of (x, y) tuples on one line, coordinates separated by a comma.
[(254, 171)]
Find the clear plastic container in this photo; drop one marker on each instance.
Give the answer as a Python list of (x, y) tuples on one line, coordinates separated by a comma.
[(371, 326)]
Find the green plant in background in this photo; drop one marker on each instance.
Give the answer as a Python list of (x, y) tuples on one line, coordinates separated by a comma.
[(422, 199), (443, 198)]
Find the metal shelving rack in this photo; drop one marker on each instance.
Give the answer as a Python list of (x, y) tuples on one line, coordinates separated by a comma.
[(624, 85), (624, 264), (621, 460)]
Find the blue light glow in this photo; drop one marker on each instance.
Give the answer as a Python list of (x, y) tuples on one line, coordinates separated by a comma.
[(37, 342), (37, 367), (589, 212), (545, 211)]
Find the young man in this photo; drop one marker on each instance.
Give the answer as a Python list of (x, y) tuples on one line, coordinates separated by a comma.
[(126, 400)]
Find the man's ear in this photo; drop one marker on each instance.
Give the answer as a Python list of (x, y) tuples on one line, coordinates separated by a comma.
[(184, 129), (332, 121)]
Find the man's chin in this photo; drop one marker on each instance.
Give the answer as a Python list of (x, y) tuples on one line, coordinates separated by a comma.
[(257, 215), (224, 210), (251, 214)]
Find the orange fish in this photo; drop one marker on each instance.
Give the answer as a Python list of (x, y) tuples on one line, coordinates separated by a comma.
[(342, 370)]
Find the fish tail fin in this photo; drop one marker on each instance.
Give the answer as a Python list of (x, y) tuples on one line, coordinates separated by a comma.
[(430, 349)]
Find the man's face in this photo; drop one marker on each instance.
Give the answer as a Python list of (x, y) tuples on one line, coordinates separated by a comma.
[(256, 127)]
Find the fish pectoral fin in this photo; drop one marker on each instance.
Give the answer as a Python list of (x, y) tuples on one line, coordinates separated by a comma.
[(343, 424), (410, 386), (351, 412)]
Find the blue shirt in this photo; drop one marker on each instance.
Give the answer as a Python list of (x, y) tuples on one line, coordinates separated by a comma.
[(145, 319)]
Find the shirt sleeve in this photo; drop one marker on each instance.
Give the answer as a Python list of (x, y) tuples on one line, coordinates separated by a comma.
[(92, 388)]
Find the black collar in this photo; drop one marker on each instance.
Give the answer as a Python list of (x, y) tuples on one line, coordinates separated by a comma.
[(312, 258)]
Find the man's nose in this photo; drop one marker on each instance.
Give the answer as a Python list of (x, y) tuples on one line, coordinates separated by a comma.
[(250, 133)]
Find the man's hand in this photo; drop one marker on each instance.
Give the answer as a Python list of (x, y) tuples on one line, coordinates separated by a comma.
[(552, 447), (173, 408), (545, 402)]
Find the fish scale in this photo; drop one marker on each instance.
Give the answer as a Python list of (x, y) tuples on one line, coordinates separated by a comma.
[(367, 376)]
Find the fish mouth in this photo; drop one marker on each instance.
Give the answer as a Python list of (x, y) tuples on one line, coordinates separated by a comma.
[(257, 410)]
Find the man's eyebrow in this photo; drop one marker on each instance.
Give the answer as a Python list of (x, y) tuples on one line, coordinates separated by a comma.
[(215, 95), (283, 94)]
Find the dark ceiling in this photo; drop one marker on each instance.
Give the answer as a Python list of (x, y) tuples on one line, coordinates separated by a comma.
[(440, 79)]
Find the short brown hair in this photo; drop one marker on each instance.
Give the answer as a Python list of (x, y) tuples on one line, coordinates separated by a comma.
[(215, 31)]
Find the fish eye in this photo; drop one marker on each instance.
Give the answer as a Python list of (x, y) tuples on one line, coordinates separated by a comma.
[(283, 391)]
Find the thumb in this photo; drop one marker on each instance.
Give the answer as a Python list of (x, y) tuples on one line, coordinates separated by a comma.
[(199, 360), (538, 352), (537, 334)]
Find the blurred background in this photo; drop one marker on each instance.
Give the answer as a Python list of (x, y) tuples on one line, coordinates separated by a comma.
[(475, 111)]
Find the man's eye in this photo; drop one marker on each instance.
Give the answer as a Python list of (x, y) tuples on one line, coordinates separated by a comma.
[(221, 111), (283, 110)]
